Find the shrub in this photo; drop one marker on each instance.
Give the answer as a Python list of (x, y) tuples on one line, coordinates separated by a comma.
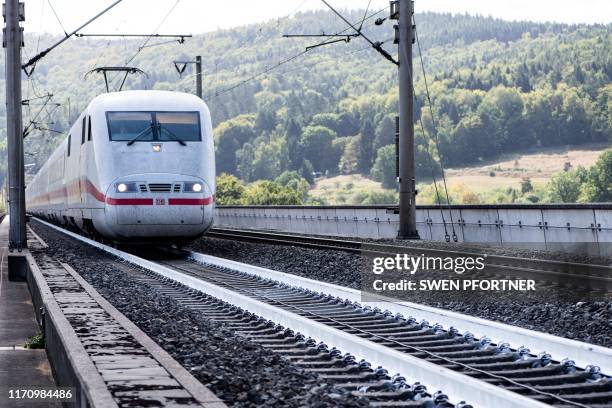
[(265, 192), (229, 190)]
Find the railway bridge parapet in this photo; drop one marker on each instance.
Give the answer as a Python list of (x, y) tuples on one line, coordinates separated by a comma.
[(574, 228)]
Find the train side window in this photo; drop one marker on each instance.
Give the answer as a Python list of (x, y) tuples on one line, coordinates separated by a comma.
[(68, 148), (89, 128), (83, 127)]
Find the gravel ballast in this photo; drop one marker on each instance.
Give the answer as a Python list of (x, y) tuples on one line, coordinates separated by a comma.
[(238, 371), (546, 310)]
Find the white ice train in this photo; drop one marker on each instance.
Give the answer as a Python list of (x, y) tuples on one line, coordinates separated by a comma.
[(136, 166)]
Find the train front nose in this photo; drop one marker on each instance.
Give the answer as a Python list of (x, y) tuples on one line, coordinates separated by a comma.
[(158, 207)]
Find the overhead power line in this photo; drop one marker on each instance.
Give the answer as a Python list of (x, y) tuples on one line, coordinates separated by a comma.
[(146, 41), (46, 100), (435, 131), (338, 38), (57, 17), (34, 121), (401, 10), (257, 75), (154, 31), (307, 65), (181, 37), (365, 14), (42, 13), (32, 62), (37, 126), (273, 67), (342, 37), (376, 45)]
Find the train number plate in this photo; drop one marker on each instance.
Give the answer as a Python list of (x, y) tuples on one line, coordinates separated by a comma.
[(160, 201)]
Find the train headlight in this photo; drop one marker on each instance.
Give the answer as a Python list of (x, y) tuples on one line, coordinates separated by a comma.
[(126, 187), (193, 188)]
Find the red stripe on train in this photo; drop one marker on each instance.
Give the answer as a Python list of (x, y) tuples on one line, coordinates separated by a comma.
[(190, 201), (91, 189), (129, 201)]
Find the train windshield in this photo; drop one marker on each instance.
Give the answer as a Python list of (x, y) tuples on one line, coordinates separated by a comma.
[(127, 126), (173, 126), (134, 127)]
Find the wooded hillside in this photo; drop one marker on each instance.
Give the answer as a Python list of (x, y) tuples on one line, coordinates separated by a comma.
[(496, 87)]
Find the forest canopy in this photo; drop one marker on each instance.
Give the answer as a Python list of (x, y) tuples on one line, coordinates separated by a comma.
[(496, 87)]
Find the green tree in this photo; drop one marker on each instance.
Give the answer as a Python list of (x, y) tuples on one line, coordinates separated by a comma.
[(266, 120), (575, 126), (294, 181), (307, 171), (245, 158), (564, 187), (603, 115), (539, 106), (376, 197), (317, 144), (560, 73), (366, 148), (268, 157), (385, 132), (522, 78), (293, 133), (230, 136), (229, 190), (598, 185), (502, 111), (526, 185), (270, 101), (471, 140), (350, 155), (287, 177), (384, 167), (264, 192), (342, 123)]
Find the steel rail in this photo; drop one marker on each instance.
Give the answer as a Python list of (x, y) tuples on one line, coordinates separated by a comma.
[(284, 297), (330, 365), (354, 329), (583, 354), (456, 385)]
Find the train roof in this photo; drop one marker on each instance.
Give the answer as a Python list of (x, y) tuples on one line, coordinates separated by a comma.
[(147, 100)]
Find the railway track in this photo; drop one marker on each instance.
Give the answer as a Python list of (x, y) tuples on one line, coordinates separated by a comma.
[(462, 364), (136, 372), (592, 275), (330, 364), (516, 370)]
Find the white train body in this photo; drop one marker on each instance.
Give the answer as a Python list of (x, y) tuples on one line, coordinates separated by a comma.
[(156, 187)]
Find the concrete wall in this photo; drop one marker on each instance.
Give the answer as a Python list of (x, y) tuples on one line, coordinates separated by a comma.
[(572, 228)]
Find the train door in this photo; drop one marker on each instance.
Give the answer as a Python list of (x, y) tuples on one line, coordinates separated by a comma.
[(82, 169), (84, 149), (64, 200)]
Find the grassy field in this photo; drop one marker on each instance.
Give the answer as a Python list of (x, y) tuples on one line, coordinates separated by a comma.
[(344, 189), (539, 166), (506, 172)]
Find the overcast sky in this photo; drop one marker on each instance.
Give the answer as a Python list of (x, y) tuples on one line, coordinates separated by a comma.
[(197, 16)]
